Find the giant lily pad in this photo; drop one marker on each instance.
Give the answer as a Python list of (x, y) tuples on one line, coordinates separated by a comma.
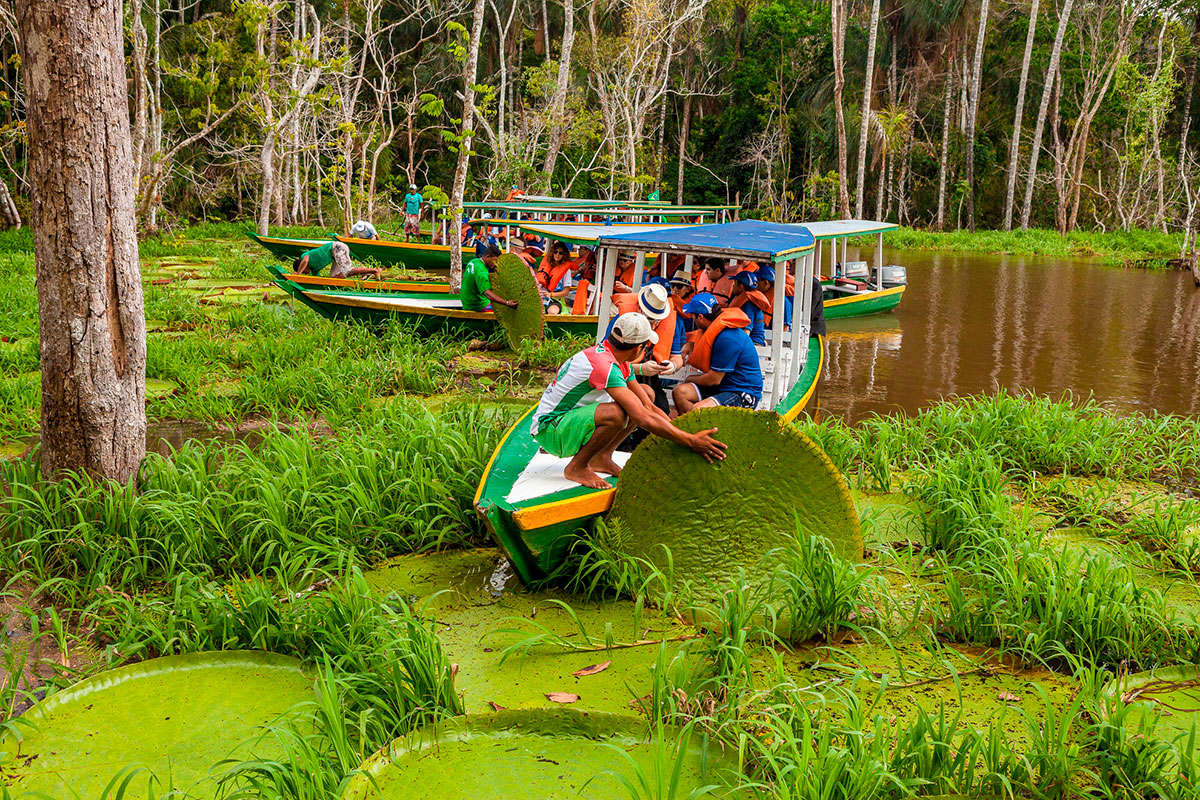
[(512, 280), (1171, 692), (176, 718), (550, 755), (720, 519)]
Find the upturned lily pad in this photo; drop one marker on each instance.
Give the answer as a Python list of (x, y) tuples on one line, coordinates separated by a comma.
[(175, 718), (550, 755), (1171, 692), (727, 517), (512, 280), (160, 387)]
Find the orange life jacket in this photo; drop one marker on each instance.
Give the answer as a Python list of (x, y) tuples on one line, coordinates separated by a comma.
[(581, 297), (757, 298), (549, 276), (665, 327), (730, 318)]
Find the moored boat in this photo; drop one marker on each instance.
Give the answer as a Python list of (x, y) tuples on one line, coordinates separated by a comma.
[(410, 255), (854, 289), (285, 249), (532, 510)]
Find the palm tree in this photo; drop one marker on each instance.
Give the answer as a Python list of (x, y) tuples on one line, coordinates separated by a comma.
[(889, 128)]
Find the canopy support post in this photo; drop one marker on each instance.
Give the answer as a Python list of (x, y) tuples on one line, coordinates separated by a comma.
[(687, 264), (639, 270), (879, 261), (777, 337), (816, 253), (845, 242), (802, 314), (604, 281)]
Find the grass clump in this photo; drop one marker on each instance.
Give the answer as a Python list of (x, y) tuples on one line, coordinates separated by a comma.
[(1134, 247)]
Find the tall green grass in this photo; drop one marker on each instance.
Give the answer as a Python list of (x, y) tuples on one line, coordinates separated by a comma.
[(1116, 247)]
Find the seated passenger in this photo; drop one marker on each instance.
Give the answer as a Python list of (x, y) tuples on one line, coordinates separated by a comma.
[(595, 402), (334, 253), (766, 286), (717, 279), (682, 291), (747, 297), (626, 265), (585, 273), (476, 292), (730, 371)]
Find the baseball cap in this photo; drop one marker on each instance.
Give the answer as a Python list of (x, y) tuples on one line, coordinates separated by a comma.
[(765, 273), (703, 303), (633, 328), (653, 301), (412, 186), (747, 279), (658, 280)]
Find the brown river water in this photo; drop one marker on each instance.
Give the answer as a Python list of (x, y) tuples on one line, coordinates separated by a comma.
[(973, 323)]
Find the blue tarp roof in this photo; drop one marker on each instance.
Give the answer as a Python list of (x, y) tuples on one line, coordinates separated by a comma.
[(749, 238)]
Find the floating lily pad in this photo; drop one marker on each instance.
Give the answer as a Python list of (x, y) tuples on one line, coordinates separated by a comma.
[(512, 280), (12, 450), (160, 387), (1171, 692), (550, 755), (722, 518), (175, 718)]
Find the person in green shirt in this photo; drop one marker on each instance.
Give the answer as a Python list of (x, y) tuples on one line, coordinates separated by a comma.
[(311, 262), (476, 291)]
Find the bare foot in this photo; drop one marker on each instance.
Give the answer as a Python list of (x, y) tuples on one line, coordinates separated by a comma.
[(586, 477), (604, 464)]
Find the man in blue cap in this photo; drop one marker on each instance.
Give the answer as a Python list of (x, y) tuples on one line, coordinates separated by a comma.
[(745, 286), (730, 373)]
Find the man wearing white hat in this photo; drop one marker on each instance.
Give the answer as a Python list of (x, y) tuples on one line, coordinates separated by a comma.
[(595, 402), (412, 212)]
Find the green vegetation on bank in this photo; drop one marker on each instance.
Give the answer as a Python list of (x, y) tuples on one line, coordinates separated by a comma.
[(1140, 248)]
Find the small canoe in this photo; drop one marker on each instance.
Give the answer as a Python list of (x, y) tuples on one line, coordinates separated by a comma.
[(428, 313), (411, 255), (286, 250), (534, 512)]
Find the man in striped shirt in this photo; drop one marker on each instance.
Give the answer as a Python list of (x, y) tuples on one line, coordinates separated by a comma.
[(595, 402)]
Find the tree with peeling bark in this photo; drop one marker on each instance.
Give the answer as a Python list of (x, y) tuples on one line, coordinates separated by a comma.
[(470, 56), (973, 112), (1014, 146), (865, 121), (81, 175)]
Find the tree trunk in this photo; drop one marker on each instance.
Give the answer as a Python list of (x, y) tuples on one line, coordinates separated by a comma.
[(685, 123), (973, 113), (557, 123), (464, 146), (839, 83), (8, 208), (1039, 127), (944, 164), (1189, 88), (93, 327), (864, 123), (1014, 147)]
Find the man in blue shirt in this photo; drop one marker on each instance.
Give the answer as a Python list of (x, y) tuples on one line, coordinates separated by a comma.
[(744, 283), (730, 372), (412, 213)]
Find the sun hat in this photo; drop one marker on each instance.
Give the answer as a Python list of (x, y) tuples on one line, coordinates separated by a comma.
[(654, 302), (703, 303), (633, 328)]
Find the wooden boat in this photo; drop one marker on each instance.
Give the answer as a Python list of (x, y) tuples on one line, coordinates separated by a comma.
[(428, 313), (411, 255), (358, 285), (532, 511), (853, 294), (841, 305), (286, 250)]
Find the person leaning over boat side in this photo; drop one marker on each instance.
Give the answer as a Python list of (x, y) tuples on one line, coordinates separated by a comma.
[(476, 292), (332, 254), (747, 297), (595, 402), (731, 374), (363, 230), (412, 212)]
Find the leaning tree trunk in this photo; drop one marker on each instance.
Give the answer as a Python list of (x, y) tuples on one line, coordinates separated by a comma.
[(973, 114), (1014, 148), (93, 328), (839, 84), (864, 124), (464, 147), (1040, 124), (9, 214)]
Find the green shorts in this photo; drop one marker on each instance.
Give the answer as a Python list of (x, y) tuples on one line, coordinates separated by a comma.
[(566, 436)]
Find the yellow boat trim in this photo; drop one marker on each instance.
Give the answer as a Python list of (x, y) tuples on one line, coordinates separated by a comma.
[(451, 313), (428, 287), (800, 406), (546, 514), (487, 469), (862, 298), (273, 240), (439, 248)]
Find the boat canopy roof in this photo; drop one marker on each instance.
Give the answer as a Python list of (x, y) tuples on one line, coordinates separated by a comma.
[(578, 201), (837, 228), (596, 207), (749, 238), (589, 232)]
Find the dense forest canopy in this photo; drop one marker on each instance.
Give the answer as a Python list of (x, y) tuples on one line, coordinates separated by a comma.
[(302, 112)]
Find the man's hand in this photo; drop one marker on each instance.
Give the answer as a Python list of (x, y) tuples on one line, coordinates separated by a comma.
[(511, 303), (704, 444), (652, 368)]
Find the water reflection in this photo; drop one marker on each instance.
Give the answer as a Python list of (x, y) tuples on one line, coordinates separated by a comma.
[(972, 323)]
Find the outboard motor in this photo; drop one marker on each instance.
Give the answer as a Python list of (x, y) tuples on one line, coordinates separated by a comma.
[(893, 276), (855, 271)]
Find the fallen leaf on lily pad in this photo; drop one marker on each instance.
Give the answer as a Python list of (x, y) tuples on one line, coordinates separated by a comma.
[(496, 706), (1008, 697), (562, 697), (592, 670)]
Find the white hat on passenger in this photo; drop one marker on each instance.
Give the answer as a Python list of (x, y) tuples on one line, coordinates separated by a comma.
[(633, 328), (654, 302)]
